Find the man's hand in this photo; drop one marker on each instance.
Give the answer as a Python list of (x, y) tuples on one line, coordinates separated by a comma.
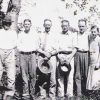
[(67, 61), (97, 66), (61, 57), (47, 54)]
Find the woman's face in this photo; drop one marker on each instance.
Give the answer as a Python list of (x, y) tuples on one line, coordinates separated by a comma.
[(94, 32)]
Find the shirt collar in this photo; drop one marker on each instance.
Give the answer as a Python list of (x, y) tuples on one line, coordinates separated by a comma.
[(46, 33), (67, 33)]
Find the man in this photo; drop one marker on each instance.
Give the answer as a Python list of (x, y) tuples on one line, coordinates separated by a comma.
[(8, 42), (66, 44), (19, 28), (81, 58), (27, 46), (48, 47)]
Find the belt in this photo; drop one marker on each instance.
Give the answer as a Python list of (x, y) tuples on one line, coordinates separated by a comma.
[(27, 53), (65, 52), (82, 51)]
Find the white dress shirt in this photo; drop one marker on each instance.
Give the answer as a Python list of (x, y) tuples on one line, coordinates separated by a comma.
[(66, 42), (28, 42), (48, 42), (8, 39), (82, 42)]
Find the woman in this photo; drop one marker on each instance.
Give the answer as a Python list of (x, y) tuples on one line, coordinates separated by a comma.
[(93, 81)]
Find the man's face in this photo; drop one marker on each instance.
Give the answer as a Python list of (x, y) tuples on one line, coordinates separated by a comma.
[(27, 25), (82, 26), (47, 25), (65, 26), (19, 26), (94, 32)]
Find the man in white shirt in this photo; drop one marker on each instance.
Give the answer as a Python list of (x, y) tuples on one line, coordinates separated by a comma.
[(66, 44), (8, 43), (48, 47), (27, 46), (81, 58)]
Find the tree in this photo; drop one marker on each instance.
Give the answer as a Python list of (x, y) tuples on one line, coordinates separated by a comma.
[(13, 11)]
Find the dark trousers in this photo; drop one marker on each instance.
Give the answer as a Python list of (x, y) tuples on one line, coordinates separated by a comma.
[(81, 72), (50, 78), (62, 79)]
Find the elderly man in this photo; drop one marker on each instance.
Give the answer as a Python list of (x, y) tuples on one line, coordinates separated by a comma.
[(27, 46), (67, 50), (8, 42), (48, 47), (81, 58)]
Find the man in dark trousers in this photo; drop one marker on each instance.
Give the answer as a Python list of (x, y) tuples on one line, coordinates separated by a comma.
[(81, 58), (48, 47)]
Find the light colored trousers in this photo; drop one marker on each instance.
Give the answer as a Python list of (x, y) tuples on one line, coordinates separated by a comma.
[(52, 90), (7, 62), (28, 68)]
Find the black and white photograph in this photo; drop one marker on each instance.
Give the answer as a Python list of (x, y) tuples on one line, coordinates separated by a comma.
[(49, 49)]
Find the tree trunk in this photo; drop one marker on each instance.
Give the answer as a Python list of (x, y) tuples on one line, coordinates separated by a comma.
[(13, 11)]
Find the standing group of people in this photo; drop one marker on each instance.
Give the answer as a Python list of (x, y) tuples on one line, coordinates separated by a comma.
[(72, 57)]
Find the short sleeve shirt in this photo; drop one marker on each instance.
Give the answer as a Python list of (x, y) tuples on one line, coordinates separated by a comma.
[(28, 42)]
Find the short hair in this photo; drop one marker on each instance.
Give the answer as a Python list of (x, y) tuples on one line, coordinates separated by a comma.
[(82, 20), (93, 27), (65, 21), (47, 20), (27, 20)]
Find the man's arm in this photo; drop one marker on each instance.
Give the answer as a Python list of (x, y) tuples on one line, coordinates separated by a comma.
[(74, 45), (40, 48), (72, 55), (98, 59)]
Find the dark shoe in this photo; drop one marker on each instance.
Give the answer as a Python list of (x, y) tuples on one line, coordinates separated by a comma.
[(3, 88), (26, 98), (52, 98), (9, 97), (60, 98)]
